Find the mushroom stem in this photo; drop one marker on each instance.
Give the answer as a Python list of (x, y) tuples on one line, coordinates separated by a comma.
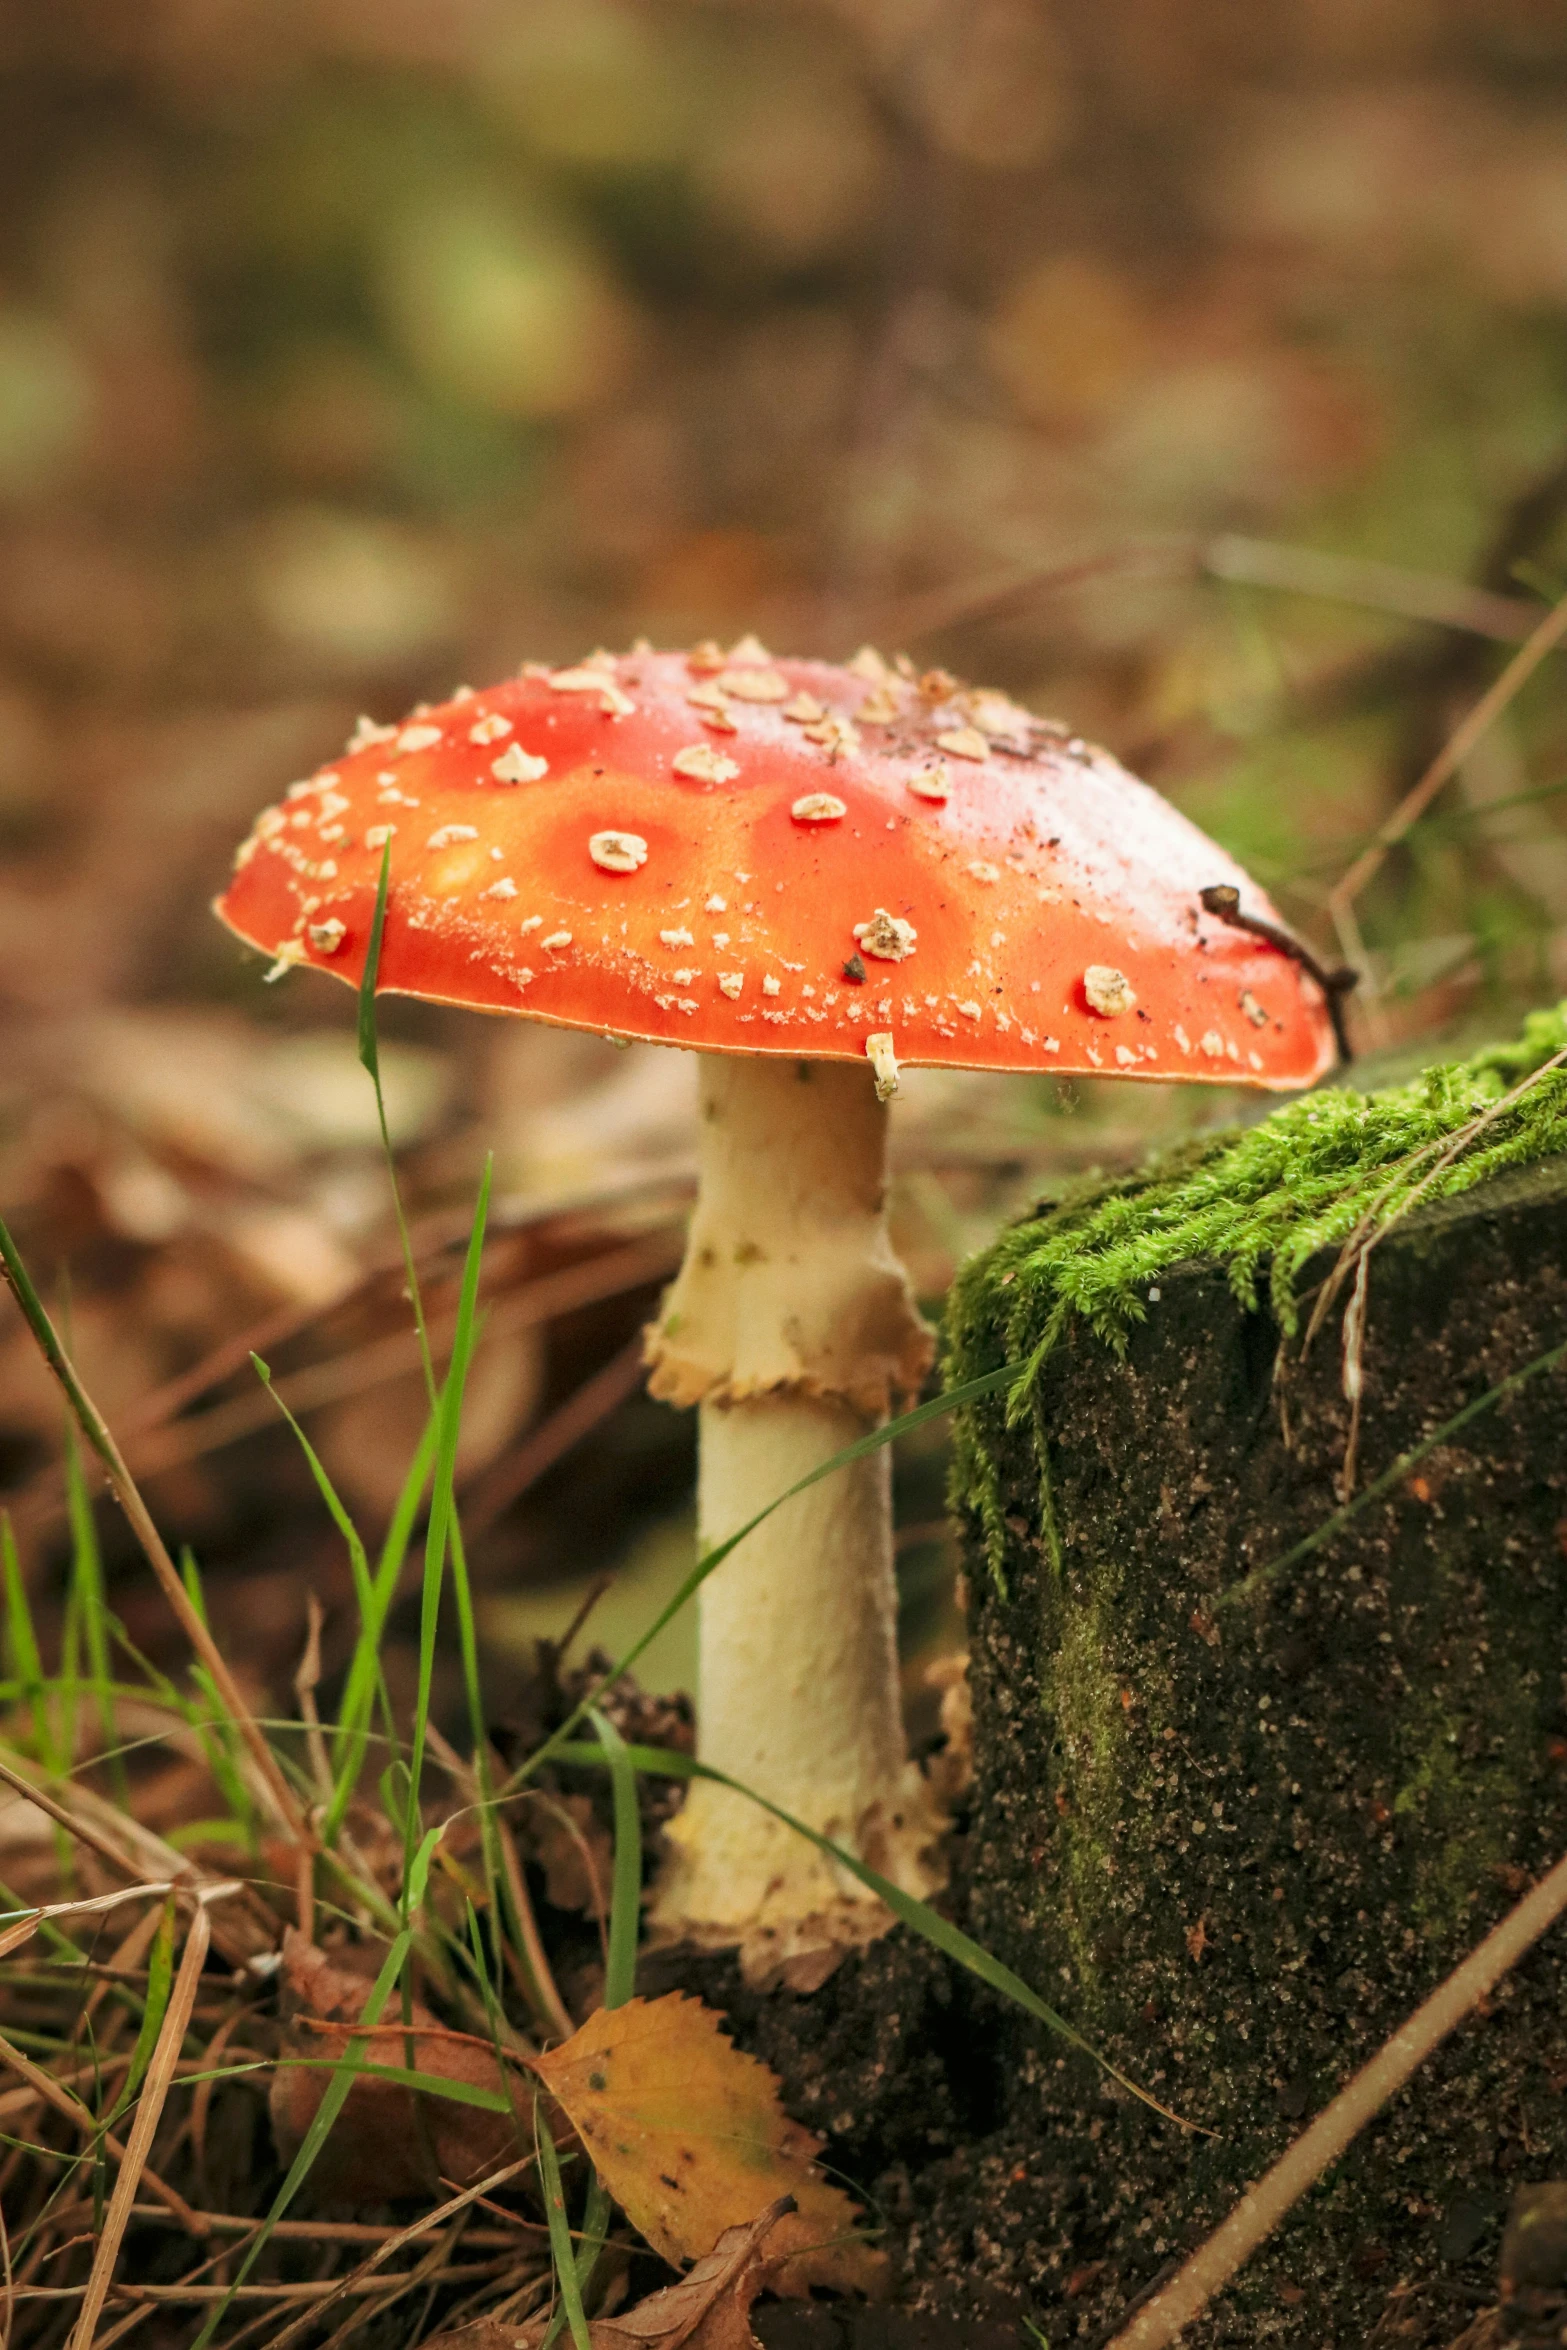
[(792, 1324)]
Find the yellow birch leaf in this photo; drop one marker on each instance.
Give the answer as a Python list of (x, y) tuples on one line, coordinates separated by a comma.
[(688, 2135)]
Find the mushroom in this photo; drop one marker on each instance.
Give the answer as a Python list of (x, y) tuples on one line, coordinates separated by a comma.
[(812, 875)]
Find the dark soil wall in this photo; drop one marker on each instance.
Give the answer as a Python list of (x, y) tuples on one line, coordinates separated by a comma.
[(1236, 1845)]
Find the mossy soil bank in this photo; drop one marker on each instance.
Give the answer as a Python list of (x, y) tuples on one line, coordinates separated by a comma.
[(1236, 1839), (1237, 1827)]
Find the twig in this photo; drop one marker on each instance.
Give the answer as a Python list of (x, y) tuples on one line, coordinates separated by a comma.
[(1249, 562), (1262, 2207), (197, 2294), (307, 1680), (1341, 899), (915, 618), (1223, 900), (318, 2231), (7, 2291), (96, 1430), (585, 1606)]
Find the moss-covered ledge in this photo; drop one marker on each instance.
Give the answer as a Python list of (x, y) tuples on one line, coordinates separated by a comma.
[(1237, 1839)]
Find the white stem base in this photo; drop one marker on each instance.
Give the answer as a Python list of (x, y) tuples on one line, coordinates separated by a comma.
[(799, 1696)]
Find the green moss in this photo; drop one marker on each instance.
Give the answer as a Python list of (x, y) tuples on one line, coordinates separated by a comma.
[(1461, 1814), (1262, 1201), (1085, 1699)]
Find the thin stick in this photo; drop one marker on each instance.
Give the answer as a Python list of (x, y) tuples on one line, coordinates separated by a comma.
[(307, 1680), (328, 2231), (149, 2112), (1261, 2208), (96, 1430), (1459, 744), (196, 2295)]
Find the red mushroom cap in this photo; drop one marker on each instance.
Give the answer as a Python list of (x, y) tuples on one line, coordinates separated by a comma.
[(748, 855)]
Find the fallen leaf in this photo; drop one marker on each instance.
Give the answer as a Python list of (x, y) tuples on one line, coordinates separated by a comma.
[(690, 2138), (387, 2143), (709, 2309), (574, 1851)]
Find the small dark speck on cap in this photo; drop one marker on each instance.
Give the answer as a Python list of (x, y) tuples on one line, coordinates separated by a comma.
[(854, 971)]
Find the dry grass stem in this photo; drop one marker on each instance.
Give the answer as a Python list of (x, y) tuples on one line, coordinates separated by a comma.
[(533, 1956), (363, 2278), (149, 2112), (98, 1906)]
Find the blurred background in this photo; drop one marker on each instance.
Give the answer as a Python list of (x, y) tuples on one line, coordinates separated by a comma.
[(1197, 371)]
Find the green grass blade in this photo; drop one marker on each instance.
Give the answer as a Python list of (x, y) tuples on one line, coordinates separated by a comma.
[(988, 1383), (369, 1042), (87, 1584), (364, 1594), (918, 1915), (625, 1907), (620, 1972), (46, 1339), (22, 1652), (359, 1565), (478, 1727), (370, 1058), (160, 1982), (404, 2076), (364, 1680), (219, 1739), (438, 1531), (562, 2250)]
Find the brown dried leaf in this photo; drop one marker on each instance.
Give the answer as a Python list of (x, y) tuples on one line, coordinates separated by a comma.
[(574, 1851), (688, 2135), (709, 2309), (387, 2143)]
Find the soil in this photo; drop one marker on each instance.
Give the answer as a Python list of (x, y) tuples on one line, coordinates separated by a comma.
[(1236, 1842)]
